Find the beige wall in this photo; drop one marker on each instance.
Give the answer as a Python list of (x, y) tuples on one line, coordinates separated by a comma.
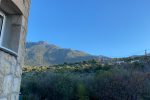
[(16, 12)]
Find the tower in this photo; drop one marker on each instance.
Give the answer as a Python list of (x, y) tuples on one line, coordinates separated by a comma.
[(13, 28)]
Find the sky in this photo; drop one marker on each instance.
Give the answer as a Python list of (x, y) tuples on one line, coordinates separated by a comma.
[(114, 28)]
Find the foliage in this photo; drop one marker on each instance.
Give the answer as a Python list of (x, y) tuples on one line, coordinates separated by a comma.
[(87, 80)]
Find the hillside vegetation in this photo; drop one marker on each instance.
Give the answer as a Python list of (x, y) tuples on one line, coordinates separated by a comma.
[(117, 79)]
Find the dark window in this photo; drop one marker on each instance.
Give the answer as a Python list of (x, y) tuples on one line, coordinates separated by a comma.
[(1, 23), (10, 36)]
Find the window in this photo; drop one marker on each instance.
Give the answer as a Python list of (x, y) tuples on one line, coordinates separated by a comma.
[(1, 23), (2, 19), (9, 34)]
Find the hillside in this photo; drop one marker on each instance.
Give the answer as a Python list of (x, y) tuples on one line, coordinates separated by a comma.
[(42, 53), (86, 80)]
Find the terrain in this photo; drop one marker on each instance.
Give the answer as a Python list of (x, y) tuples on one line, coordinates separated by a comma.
[(54, 73), (42, 54), (117, 79)]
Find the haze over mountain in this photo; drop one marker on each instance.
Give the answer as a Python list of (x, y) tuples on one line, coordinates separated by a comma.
[(42, 54)]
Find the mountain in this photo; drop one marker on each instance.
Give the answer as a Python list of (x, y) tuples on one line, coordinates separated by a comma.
[(42, 54)]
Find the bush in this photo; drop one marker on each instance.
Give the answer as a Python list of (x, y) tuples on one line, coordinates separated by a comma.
[(126, 82)]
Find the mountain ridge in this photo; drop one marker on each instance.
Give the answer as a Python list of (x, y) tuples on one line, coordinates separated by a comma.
[(43, 54)]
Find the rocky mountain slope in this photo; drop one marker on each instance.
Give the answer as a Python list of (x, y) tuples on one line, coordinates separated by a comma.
[(42, 54)]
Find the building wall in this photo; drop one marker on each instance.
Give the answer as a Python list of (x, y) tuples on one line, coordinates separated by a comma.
[(11, 64)]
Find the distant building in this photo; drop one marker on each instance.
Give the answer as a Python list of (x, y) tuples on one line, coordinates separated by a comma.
[(120, 62), (13, 28), (134, 61)]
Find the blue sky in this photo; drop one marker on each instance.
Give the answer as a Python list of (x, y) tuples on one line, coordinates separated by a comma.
[(114, 28)]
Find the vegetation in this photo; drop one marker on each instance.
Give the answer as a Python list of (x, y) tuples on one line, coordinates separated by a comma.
[(89, 80)]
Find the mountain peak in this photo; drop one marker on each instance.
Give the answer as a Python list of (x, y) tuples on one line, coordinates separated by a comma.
[(42, 53), (43, 43)]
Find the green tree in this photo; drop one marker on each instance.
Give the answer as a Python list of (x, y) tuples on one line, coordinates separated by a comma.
[(82, 93)]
